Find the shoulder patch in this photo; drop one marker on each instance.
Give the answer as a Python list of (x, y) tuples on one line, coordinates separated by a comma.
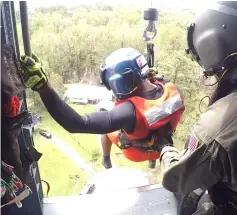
[(193, 143)]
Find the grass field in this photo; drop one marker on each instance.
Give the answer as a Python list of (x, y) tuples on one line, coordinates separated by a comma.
[(57, 169)]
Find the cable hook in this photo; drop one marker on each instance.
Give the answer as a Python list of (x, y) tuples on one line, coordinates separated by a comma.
[(151, 27)]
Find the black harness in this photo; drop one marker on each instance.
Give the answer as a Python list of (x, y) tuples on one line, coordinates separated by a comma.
[(150, 143)]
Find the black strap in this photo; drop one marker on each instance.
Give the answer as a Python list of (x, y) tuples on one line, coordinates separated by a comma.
[(126, 143), (150, 54), (30, 155), (164, 133)]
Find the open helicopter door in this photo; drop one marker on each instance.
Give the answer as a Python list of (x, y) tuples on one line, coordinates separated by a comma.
[(143, 199)]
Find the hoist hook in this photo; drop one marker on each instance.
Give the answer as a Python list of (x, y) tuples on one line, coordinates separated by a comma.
[(151, 15), (150, 28)]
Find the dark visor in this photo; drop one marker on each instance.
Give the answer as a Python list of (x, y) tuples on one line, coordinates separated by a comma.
[(102, 77)]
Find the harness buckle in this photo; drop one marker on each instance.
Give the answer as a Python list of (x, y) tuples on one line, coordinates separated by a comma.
[(147, 144)]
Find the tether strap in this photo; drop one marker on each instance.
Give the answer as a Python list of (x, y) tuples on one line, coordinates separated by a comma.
[(28, 157), (150, 54), (31, 155)]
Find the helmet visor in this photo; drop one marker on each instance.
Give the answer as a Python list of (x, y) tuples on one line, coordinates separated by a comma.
[(102, 77)]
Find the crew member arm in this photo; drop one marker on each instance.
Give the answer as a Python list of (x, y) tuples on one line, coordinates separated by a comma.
[(187, 170), (210, 153), (120, 117)]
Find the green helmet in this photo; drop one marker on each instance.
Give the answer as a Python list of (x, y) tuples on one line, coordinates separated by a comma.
[(212, 39)]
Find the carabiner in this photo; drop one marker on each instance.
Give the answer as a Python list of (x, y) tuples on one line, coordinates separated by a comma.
[(151, 27)]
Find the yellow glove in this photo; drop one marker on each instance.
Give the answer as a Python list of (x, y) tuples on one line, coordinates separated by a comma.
[(33, 73)]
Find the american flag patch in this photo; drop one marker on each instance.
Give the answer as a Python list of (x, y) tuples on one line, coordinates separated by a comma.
[(193, 143)]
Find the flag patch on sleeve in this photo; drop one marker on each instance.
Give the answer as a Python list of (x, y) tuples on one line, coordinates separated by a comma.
[(193, 143)]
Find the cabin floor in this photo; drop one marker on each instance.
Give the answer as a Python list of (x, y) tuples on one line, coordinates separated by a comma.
[(145, 200)]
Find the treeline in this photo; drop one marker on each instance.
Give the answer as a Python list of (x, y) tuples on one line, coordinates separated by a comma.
[(73, 42)]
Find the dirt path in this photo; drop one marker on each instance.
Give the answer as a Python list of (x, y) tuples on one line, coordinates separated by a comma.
[(73, 155)]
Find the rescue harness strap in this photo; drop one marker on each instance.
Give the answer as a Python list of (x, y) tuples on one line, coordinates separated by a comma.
[(151, 142)]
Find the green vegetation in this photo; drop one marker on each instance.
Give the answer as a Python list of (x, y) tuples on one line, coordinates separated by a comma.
[(73, 42), (58, 170)]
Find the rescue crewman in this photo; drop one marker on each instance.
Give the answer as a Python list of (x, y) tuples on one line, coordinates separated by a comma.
[(132, 148), (144, 111), (209, 162)]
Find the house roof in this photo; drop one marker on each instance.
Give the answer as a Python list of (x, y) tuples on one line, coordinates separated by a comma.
[(89, 92)]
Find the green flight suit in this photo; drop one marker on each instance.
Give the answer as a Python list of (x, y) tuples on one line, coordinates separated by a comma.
[(213, 159)]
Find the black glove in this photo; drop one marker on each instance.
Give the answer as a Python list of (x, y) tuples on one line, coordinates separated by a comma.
[(33, 72)]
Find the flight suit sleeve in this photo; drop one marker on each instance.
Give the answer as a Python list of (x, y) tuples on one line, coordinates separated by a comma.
[(210, 153), (190, 169)]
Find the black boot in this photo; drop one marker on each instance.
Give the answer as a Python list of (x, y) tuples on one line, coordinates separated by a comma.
[(152, 164), (106, 162)]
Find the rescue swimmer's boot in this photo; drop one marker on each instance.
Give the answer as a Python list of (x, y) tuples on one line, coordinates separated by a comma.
[(152, 164), (106, 162)]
